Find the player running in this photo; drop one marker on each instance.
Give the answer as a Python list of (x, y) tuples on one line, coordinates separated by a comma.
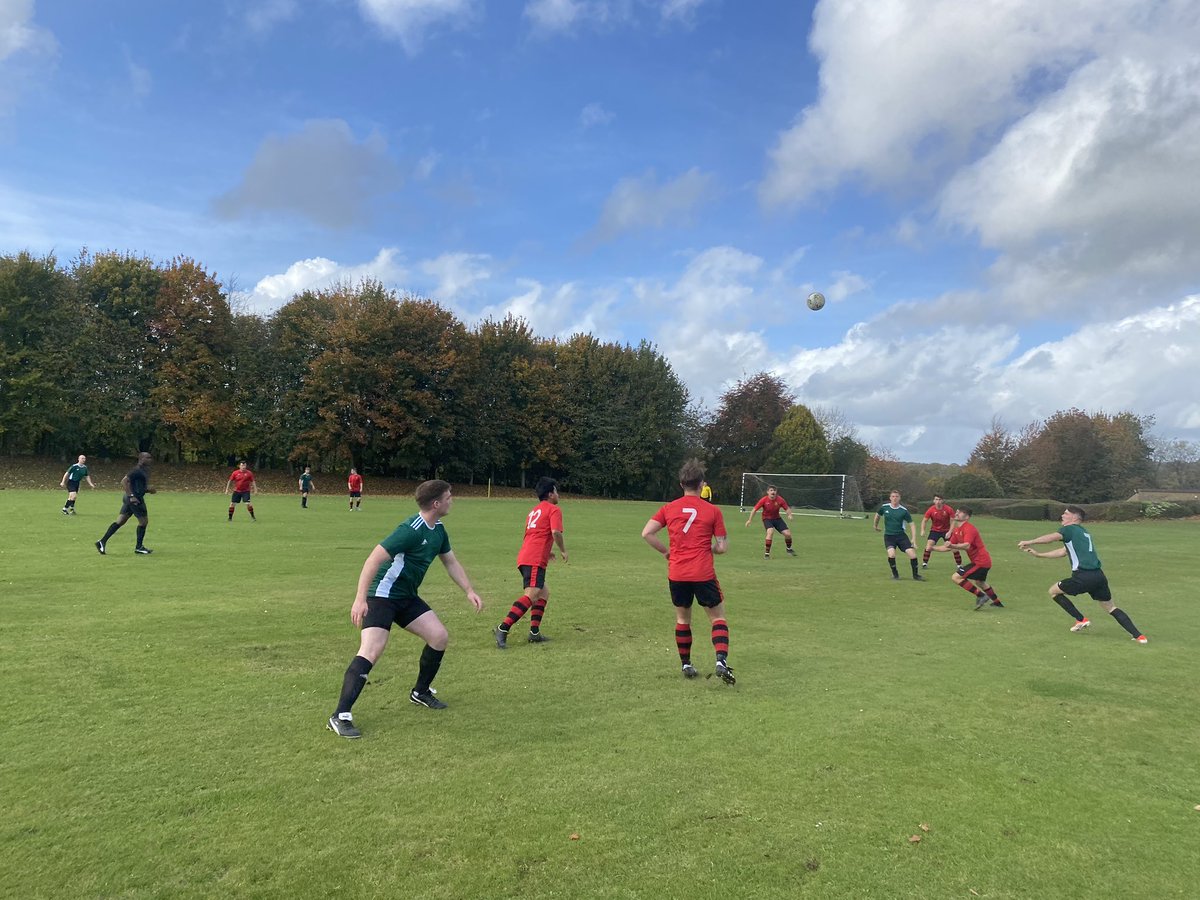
[(696, 530), (895, 517), (965, 536), (939, 516), (77, 472), (543, 529), (771, 505), (242, 481)]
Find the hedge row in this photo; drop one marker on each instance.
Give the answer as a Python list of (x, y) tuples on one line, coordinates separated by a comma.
[(1050, 510)]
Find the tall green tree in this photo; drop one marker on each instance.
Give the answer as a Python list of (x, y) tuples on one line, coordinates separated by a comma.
[(799, 444), (739, 435)]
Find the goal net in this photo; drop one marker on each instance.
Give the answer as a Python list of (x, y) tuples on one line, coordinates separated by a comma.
[(807, 495)]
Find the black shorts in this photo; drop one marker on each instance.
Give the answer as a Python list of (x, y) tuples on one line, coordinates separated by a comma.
[(137, 510), (976, 573), (899, 541), (355, 494), (937, 536), (73, 486), (706, 593), (532, 576), (777, 524), (382, 612), (239, 496), (1092, 582)]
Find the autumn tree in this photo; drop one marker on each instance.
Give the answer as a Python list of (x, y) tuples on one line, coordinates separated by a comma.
[(739, 436)]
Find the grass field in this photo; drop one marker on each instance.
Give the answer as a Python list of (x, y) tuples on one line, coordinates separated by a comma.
[(165, 717)]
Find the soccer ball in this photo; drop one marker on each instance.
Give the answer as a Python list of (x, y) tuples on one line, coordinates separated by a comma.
[(816, 300)]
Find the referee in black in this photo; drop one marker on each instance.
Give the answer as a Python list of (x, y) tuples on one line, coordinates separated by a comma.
[(136, 486)]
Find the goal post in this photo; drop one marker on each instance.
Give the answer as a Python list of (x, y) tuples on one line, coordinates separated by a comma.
[(807, 495)]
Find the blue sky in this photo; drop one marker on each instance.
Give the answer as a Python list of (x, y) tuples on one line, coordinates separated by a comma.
[(998, 199)]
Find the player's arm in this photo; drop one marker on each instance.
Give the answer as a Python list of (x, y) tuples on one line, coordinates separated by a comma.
[(650, 536), (91, 483), (757, 507), (788, 508), (228, 485), (1050, 538), (923, 521), (1049, 554), (378, 557), (459, 576), (63, 483), (127, 489), (721, 544), (912, 529), (562, 547), (875, 522)]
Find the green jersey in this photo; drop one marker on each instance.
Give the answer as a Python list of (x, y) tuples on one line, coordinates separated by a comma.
[(1079, 547), (894, 518), (305, 482), (76, 472), (412, 547)]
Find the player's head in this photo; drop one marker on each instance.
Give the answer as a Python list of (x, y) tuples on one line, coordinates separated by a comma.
[(545, 487), (433, 493), (1073, 515), (82, 459), (772, 490), (894, 496), (308, 468), (353, 471), (691, 475), (962, 513), (938, 501), (144, 458), (242, 464)]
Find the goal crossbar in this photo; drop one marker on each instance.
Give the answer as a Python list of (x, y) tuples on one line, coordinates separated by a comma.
[(807, 494)]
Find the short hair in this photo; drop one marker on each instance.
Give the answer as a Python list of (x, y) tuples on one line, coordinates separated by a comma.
[(545, 487), (1077, 510), (242, 462), (308, 467), (938, 497), (893, 491), (771, 487), (964, 509), (430, 491), (691, 474)]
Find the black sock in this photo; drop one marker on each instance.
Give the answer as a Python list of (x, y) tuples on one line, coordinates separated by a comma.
[(353, 682), (112, 529), (892, 563), (1126, 622), (1065, 602), (913, 562), (141, 533), (70, 503), (431, 661)]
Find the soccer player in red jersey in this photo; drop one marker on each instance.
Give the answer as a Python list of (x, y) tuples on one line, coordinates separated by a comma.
[(771, 505), (354, 483), (242, 482), (965, 536), (696, 530), (938, 517), (543, 529)]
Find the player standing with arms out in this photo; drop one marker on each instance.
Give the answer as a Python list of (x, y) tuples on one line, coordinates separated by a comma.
[(136, 486), (696, 530), (354, 483), (306, 485), (70, 480), (939, 516), (894, 518), (387, 594), (543, 529), (242, 481), (966, 536), (771, 504), (1086, 575)]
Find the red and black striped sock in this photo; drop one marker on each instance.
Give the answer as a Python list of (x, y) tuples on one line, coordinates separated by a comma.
[(788, 541), (957, 558), (969, 588), (720, 638), (925, 557), (250, 509), (991, 592), (535, 617), (683, 642), (768, 550), (519, 608), (231, 510)]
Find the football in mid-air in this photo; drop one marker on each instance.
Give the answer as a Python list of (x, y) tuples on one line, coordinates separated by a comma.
[(816, 300)]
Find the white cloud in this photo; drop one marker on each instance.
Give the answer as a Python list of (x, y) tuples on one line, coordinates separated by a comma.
[(409, 20), (681, 10), (264, 15), (321, 173), (559, 311), (316, 273), (638, 203), (555, 15), (844, 284), (425, 166), (27, 50), (141, 82), (456, 274), (594, 114)]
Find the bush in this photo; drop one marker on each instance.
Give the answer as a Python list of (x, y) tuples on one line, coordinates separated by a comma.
[(972, 484), (1114, 511), (1027, 510)]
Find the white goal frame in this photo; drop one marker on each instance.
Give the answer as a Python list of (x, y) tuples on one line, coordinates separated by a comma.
[(841, 512)]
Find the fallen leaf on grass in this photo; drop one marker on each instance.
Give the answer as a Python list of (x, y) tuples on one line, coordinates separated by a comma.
[(924, 827), (915, 839), (574, 836)]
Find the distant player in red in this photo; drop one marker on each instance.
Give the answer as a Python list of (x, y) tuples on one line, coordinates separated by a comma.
[(696, 530), (771, 505), (543, 529), (965, 536), (242, 482), (355, 485), (938, 517)]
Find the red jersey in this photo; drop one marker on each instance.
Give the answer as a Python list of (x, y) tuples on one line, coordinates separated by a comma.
[(691, 525), (939, 519), (243, 480), (966, 533), (355, 482), (541, 523), (770, 507)]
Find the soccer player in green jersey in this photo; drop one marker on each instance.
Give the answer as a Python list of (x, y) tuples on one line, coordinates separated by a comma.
[(306, 485), (895, 516), (1086, 575), (70, 481), (387, 594)]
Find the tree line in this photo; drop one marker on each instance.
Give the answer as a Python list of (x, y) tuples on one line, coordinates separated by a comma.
[(114, 353)]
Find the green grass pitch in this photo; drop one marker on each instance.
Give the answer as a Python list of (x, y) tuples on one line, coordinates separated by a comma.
[(164, 716)]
